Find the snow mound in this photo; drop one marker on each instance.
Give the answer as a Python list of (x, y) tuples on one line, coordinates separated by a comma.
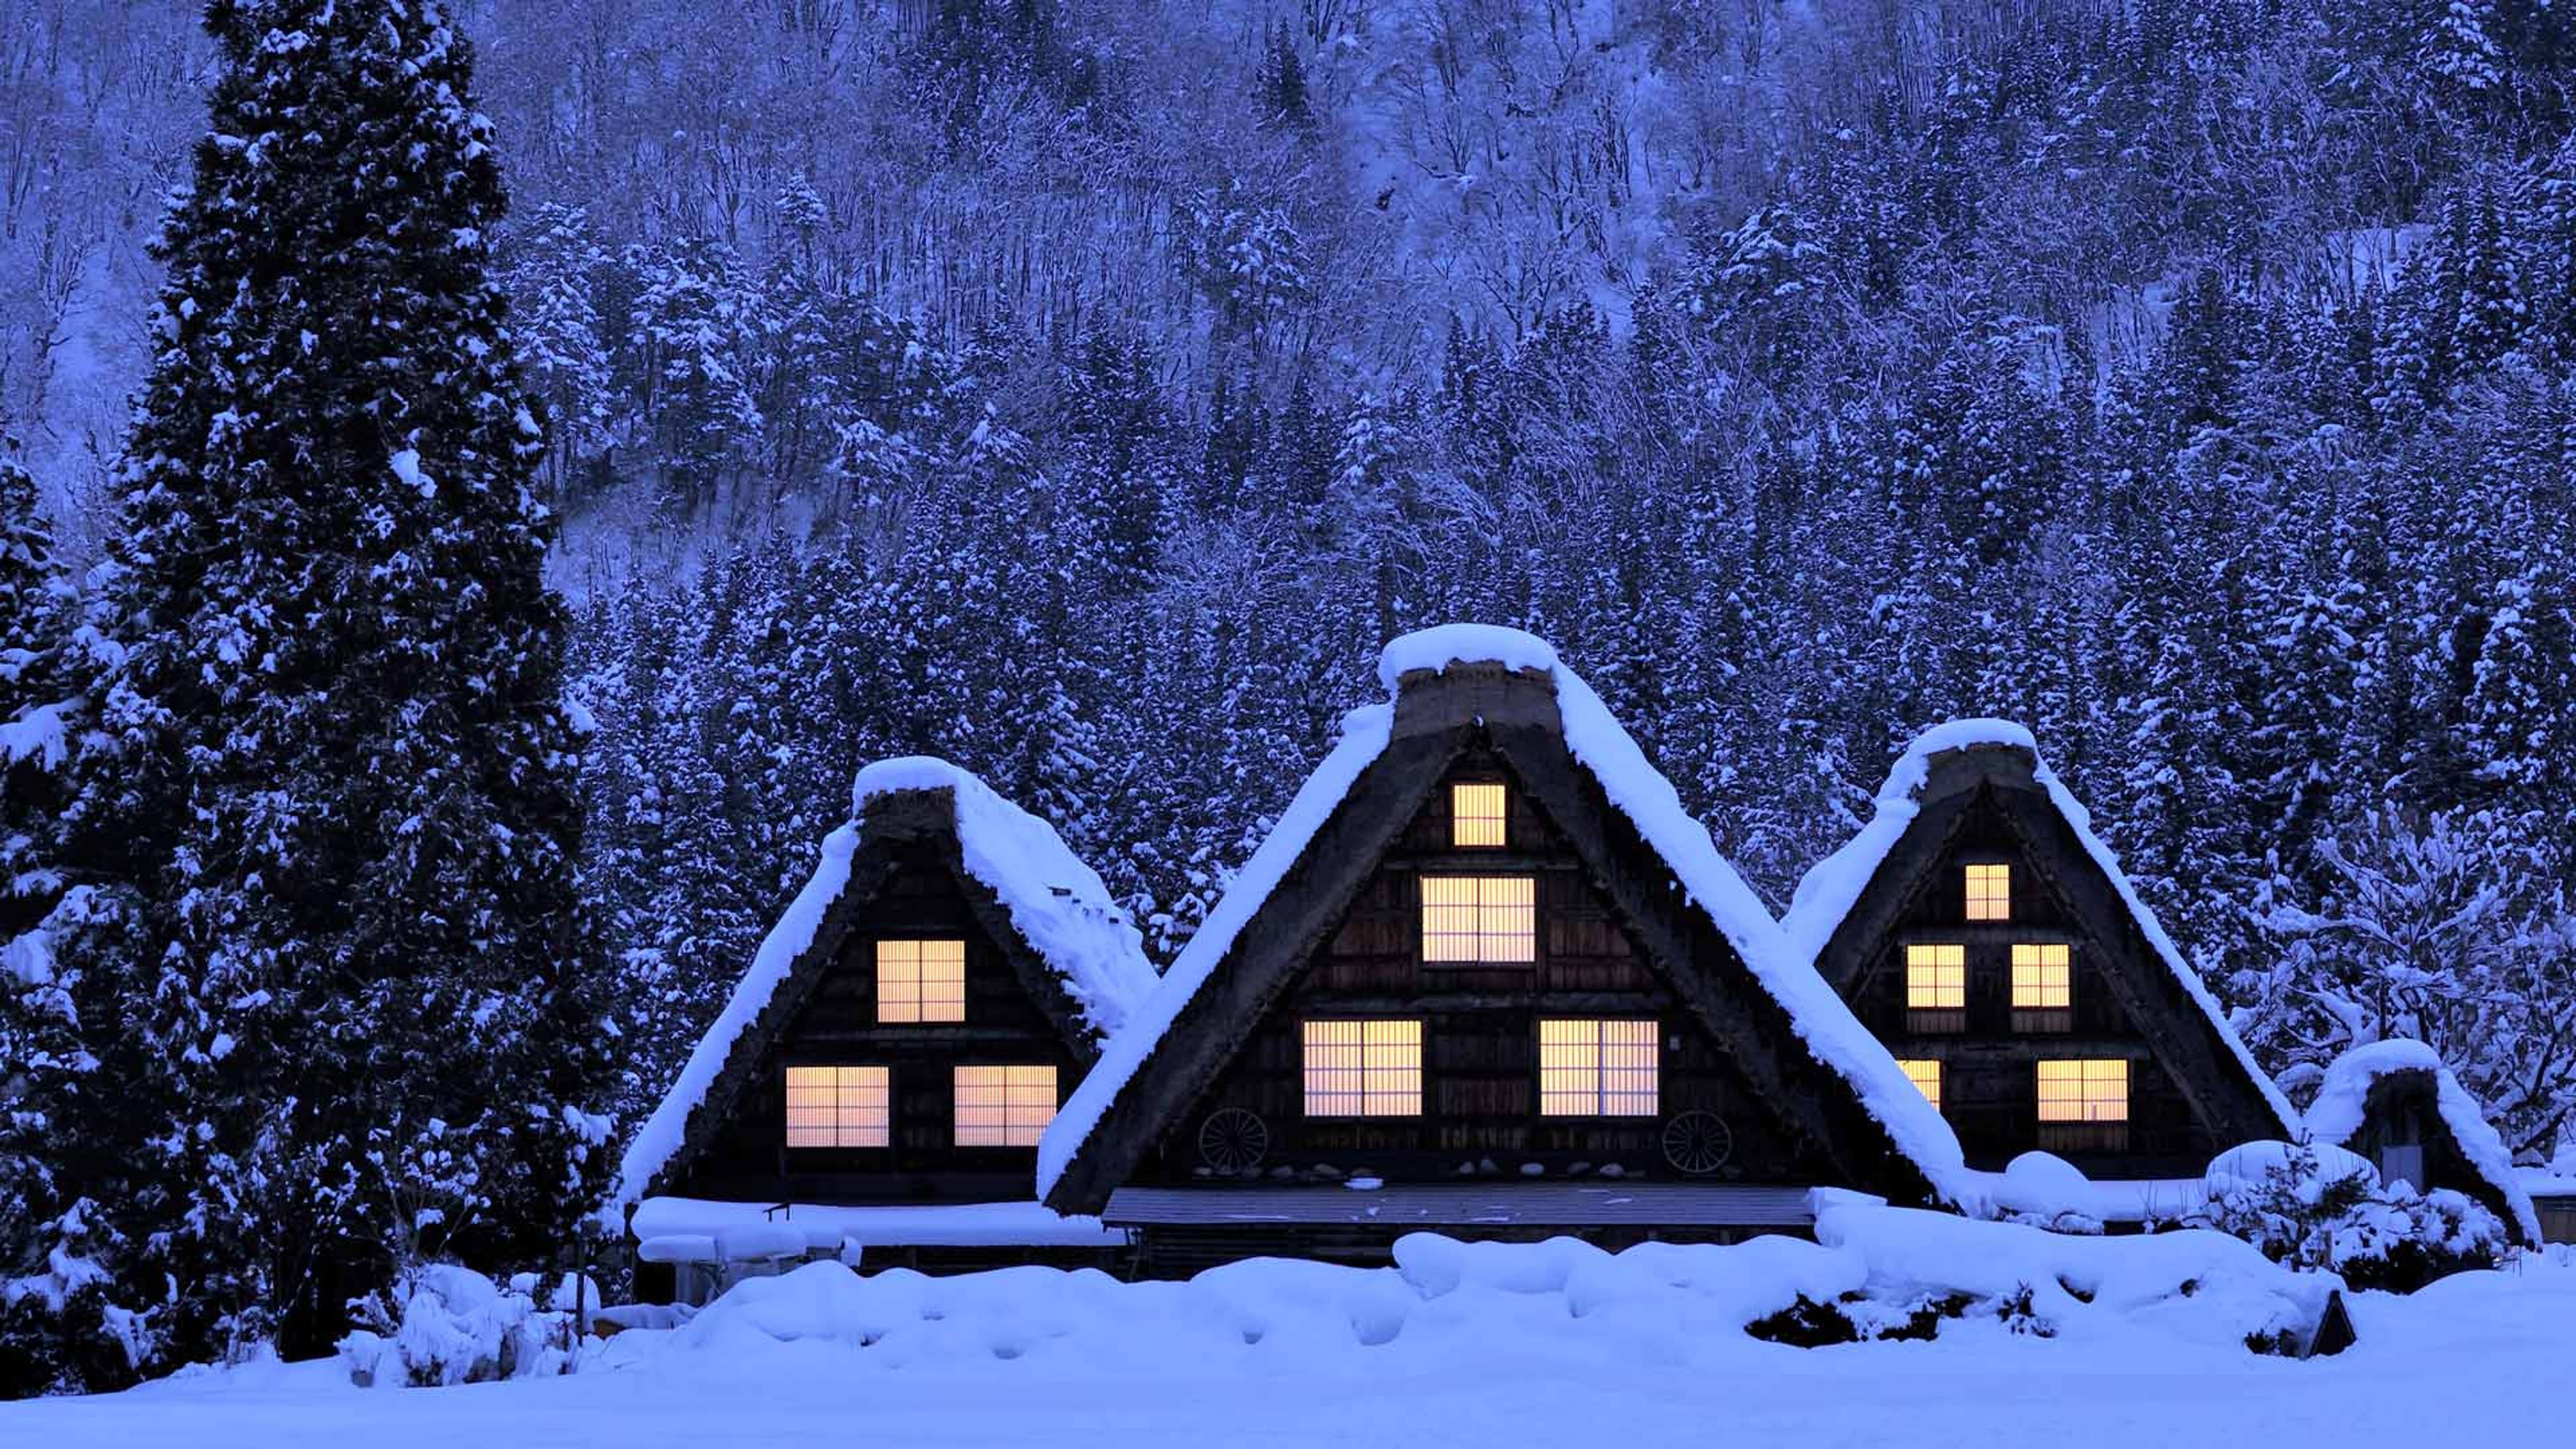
[(2250, 1164), (2343, 1098), (2043, 1185), (445, 1324), (1564, 1302)]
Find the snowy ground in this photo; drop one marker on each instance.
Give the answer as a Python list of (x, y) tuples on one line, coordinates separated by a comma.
[(2477, 1360)]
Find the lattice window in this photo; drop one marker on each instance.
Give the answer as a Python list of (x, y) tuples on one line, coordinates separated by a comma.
[(838, 1107), (2043, 987), (1363, 1068), (1925, 1074), (1003, 1106), (1990, 893), (1475, 814), (1480, 920), (1936, 988), (921, 981), (2084, 1104), (1589, 1068)]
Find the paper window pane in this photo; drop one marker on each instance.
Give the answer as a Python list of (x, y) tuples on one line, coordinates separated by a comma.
[(1936, 978), (1003, 1106), (1589, 1068), (1363, 1068), (838, 1107), (1486, 920), (1475, 814), (921, 981), (1990, 893)]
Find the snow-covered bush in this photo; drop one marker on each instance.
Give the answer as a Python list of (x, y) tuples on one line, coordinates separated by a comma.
[(444, 1324), (2041, 1190), (2314, 1206)]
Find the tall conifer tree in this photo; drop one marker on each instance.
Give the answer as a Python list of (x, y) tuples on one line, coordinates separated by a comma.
[(352, 999)]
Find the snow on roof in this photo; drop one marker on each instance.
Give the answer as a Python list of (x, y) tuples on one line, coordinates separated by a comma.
[(1641, 792), (1058, 904), (2343, 1099), (1055, 901), (1364, 736), (1833, 886)]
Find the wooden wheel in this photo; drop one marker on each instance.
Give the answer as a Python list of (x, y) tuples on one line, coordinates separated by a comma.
[(1698, 1143), (1233, 1139)]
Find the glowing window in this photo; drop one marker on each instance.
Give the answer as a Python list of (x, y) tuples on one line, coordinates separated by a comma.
[(921, 981), (2042, 977), (1003, 1106), (1597, 1068), (1925, 1074), (1475, 815), (1364, 1068), (1990, 893), (2086, 1090), (838, 1107), (1485, 920), (1936, 978)]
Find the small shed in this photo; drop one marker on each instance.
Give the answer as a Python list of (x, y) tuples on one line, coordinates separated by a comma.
[(2397, 1105)]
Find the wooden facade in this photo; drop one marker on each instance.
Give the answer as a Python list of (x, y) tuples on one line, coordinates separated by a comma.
[(907, 884), (2121, 1009), (1227, 1099)]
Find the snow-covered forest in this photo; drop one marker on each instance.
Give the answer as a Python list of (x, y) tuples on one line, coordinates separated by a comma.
[(1085, 391)]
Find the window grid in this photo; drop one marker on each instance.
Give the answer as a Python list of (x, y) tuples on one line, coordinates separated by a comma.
[(2092, 1089), (2042, 977), (1590, 1068), (1936, 978), (921, 981), (1990, 892), (1925, 1074), (1475, 814), (1484, 920), (838, 1107), (1363, 1068), (1003, 1106)]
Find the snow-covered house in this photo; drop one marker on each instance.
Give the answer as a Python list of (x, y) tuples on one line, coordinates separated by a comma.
[(1485, 976), (881, 1075), (1990, 941), (2397, 1105)]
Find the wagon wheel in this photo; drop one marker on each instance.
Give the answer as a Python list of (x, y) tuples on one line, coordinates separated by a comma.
[(1697, 1143), (1233, 1139)]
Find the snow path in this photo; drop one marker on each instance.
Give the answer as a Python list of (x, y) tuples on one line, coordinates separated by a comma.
[(2476, 1360)]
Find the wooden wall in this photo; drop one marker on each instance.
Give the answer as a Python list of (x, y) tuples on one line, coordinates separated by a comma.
[(1989, 1077), (1480, 1031), (838, 1026)]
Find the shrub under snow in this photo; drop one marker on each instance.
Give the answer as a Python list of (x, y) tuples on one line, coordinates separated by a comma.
[(444, 1324), (2317, 1206)]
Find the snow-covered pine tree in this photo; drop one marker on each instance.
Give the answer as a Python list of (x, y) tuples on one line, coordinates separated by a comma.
[(355, 1012)]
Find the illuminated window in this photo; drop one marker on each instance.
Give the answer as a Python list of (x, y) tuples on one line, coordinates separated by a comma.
[(1990, 893), (1483, 920), (1363, 1069), (2084, 1105), (2043, 987), (1925, 1074), (1597, 1068), (921, 981), (1004, 1106), (1475, 815), (837, 1107), (1936, 977)]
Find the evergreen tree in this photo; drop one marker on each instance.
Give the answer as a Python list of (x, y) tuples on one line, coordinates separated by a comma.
[(344, 1001)]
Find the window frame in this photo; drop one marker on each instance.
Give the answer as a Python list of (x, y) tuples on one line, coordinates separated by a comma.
[(1940, 1077), (1422, 932), (1501, 818), (1306, 1068), (787, 1106), (2042, 1014), (2087, 1133), (1971, 899), (1601, 1069), (1941, 1019), (956, 1104), (877, 984)]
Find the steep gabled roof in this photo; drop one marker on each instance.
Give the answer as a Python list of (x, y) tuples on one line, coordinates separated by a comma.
[(2361, 1082), (1847, 900), (1719, 945), (1075, 951)]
